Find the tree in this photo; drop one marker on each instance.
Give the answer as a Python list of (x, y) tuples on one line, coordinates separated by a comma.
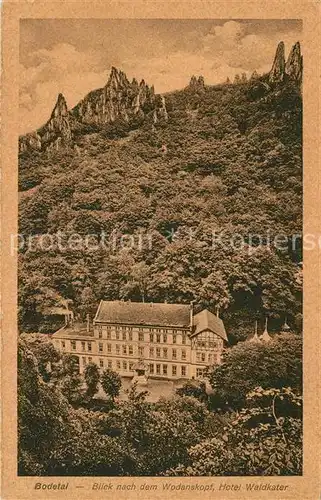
[(92, 378), (259, 441), (193, 389), (111, 383), (214, 291), (54, 439), (277, 363), (243, 78), (237, 79)]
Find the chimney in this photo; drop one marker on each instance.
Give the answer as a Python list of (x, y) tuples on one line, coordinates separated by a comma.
[(88, 322), (191, 314)]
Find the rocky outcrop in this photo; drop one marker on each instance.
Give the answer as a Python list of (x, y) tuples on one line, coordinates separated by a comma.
[(55, 133), (291, 70), (278, 68), (118, 99), (294, 64), (196, 83)]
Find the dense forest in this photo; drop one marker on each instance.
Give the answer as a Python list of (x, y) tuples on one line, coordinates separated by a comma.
[(167, 197), (250, 424)]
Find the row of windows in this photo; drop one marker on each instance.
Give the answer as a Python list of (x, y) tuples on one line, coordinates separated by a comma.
[(203, 357), (142, 351), (124, 329), (154, 369), (85, 346), (108, 363), (161, 369), (205, 344), (142, 337)]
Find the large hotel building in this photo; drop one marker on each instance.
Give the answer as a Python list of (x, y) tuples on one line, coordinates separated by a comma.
[(156, 339)]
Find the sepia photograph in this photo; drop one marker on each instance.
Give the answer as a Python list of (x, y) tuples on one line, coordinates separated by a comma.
[(159, 245)]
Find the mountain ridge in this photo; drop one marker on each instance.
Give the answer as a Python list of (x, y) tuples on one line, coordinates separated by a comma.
[(123, 100)]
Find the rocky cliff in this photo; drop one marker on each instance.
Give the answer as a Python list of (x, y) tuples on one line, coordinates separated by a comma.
[(118, 99), (289, 70)]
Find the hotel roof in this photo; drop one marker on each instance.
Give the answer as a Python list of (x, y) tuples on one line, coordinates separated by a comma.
[(205, 320), (143, 313)]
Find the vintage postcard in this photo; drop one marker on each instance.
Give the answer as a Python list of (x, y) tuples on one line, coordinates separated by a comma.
[(160, 280)]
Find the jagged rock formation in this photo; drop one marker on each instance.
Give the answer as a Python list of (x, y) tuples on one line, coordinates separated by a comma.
[(119, 99), (294, 64), (278, 67), (196, 83), (291, 70), (54, 133)]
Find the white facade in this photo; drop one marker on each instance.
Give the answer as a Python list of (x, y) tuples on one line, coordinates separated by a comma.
[(165, 351)]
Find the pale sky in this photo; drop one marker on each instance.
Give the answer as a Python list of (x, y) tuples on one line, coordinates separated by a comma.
[(75, 56)]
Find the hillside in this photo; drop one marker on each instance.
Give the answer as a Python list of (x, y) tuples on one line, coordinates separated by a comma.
[(173, 173)]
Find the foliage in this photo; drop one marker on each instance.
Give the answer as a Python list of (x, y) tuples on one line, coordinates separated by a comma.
[(111, 383), (232, 165), (92, 378), (257, 442), (277, 363), (193, 389)]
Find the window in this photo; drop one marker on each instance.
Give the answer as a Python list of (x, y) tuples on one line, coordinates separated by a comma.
[(174, 354), (90, 359), (158, 338), (130, 350), (117, 334), (108, 333), (151, 352), (84, 361), (164, 369), (100, 334), (165, 350), (210, 358), (109, 348), (130, 334), (63, 344), (184, 338), (151, 369), (118, 365), (158, 352), (183, 354), (164, 337), (83, 346), (174, 370), (117, 349), (131, 366), (125, 365), (141, 336), (141, 351), (73, 345), (174, 338), (101, 363), (110, 364), (183, 371), (100, 347), (203, 357), (89, 346), (158, 369), (199, 372), (198, 357), (124, 334), (151, 337), (124, 349)]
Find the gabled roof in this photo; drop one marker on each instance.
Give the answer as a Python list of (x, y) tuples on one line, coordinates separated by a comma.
[(205, 320), (143, 313)]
